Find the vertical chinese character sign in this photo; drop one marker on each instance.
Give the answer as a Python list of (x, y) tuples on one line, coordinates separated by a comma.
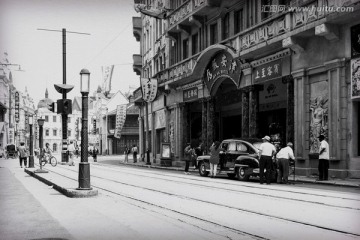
[(355, 78), (120, 119), (17, 107), (149, 88), (107, 75)]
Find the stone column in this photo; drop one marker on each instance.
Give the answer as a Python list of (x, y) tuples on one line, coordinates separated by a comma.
[(210, 121), (245, 114), (337, 109), (153, 136), (301, 115), (289, 109), (203, 123), (253, 111)]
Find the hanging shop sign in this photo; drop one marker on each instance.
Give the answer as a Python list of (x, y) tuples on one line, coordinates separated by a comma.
[(222, 65), (273, 96), (190, 94), (120, 119), (268, 71), (355, 41), (11, 135), (17, 107), (355, 78), (149, 88)]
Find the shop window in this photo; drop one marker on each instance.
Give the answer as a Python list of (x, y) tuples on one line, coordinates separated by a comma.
[(226, 26), (239, 20), (54, 147), (213, 34)]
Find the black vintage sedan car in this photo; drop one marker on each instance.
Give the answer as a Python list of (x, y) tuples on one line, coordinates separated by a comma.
[(239, 158)]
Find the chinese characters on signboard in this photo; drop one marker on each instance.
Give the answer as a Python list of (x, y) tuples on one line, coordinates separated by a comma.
[(267, 71), (120, 119), (355, 78), (223, 65), (17, 107), (149, 89), (190, 94)]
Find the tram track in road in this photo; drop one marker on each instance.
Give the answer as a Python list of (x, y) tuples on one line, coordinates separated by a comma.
[(200, 182), (199, 201)]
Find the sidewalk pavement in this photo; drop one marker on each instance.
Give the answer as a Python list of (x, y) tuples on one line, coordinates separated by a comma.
[(22, 215), (120, 159)]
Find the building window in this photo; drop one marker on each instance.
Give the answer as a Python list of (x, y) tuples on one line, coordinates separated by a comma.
[(69, 119), (213, 34), (186, 48), (54, 147), (54, 132), (195, 43), (69, 133), (47, 132), (226, 26), (265, 9), (54, 118), (173, 53), (46, 118), (239, 20)]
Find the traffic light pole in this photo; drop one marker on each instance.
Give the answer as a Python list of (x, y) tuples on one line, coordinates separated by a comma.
[(64, 116)]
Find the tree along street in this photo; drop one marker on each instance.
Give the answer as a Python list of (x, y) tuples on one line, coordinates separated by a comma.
[(224, 209)]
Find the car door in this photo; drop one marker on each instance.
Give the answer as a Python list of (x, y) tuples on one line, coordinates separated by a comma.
[(231, 155), (223, 155)]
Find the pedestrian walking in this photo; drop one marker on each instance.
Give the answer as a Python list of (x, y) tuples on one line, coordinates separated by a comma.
[(323, 159), (94, 154), (134, 151), (267, 152), (283, 157), (188, 152), (126, 152), (214, 158), (71, 151), (22, 154)]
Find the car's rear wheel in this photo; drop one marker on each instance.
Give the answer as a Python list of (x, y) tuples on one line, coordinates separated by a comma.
[(202, 170), (241, 174)]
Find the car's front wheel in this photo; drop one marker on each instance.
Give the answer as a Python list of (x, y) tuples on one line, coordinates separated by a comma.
[(241, 174), (202, 170)]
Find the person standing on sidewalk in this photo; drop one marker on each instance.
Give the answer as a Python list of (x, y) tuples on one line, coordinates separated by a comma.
[(266, 153), (214, 158), (22, 154), (188, 152), (126, 152), (134, 151), (323, 159), (283, 157), (71, 151), (94, 154)]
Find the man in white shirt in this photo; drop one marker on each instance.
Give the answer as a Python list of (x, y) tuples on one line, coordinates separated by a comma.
[(71, 150), (267, 151), (283, 157), (323, 159)]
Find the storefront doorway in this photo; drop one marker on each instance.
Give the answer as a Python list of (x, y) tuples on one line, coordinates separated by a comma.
[(273, 124)]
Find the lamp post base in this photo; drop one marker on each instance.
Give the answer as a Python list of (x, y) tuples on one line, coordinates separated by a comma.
[(31, 161), (84, 176)]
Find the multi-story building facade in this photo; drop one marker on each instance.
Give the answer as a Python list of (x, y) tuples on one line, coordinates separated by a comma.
[(252, 68)]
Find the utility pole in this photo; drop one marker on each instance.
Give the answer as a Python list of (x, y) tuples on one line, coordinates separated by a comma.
[(64, 89)]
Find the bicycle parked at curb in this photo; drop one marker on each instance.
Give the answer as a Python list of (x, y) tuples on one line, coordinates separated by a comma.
[(49, 159)]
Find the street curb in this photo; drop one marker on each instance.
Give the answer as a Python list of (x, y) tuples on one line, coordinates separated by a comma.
[(69, 192)]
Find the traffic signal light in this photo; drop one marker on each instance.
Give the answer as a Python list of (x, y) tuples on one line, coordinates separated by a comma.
[(52, 107), (64, 106)]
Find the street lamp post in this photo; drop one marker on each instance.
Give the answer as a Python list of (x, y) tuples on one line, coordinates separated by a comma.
[(84, 166), (31, 157)]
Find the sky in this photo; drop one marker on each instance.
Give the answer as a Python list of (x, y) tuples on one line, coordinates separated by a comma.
[(40, 53)]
